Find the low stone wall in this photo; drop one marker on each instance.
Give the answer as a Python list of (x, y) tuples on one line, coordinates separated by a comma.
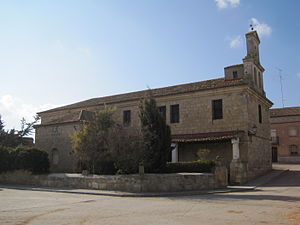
[(289, 159), (127, 183)]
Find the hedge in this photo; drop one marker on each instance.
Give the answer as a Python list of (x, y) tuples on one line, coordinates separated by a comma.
[(200, 166), (6, 159), (33, 160)]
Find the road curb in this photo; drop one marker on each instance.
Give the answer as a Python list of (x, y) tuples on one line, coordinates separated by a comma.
[(128, 194)]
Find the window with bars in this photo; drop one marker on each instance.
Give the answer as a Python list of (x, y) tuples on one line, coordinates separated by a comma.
[(162, 110), (217, 109), (174, 113), (293, 150), (126, 117)]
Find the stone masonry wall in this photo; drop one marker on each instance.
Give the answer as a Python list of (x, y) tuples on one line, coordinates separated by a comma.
[(240, 112), (57, 137), (259, 156), (195, 111), (127, 183)]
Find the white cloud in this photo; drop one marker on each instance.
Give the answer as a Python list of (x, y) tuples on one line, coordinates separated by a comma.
[(13, 109), (235, 42), (262, 29), (223, 4)]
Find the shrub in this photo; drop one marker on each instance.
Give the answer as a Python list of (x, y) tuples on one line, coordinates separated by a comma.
[(6, 161), (127, 152), (92, 143), (128, 161), (156, 136), (105, 167), (200, 166), (33, 160)]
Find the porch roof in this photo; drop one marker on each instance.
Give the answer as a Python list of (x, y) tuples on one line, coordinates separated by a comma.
[(203, 137)]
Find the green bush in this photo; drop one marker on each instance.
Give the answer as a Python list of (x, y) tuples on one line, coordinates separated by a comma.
[(32, 160), (6, 160), (200, 166), (105, 167), (126, 166), (128, 154)]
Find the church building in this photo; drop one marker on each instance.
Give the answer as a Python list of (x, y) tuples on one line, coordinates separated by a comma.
[(226, 117)]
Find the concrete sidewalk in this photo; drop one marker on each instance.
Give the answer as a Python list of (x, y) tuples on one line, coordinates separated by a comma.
[(248, 187)]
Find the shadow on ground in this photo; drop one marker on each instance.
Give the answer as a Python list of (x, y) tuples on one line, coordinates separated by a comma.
[(240, 197), (288, 179)]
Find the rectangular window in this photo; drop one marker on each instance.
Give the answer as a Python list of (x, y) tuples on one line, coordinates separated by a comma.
[(293, 150), (217, 109), (259, 114), (174, 113), (273, 133), (126, 117), (162, 110), (274, 137), (234, 74), (292, 132)]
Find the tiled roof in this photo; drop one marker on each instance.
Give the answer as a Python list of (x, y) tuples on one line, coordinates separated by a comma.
[(288, 111), (82, 115), (183, 88), (212, 136)]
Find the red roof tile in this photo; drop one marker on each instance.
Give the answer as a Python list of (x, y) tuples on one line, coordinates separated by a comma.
[(288, 111), (212, 136)]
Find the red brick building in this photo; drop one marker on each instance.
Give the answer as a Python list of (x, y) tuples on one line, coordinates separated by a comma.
[(285, 134)]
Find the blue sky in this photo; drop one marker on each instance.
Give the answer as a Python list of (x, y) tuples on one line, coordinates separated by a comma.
[(59, 52)]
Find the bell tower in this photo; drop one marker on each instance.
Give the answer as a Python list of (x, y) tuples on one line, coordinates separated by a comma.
[(253, 70), (252, 41)]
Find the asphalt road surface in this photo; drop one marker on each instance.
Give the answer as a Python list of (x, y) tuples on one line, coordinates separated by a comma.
[(278, 202)]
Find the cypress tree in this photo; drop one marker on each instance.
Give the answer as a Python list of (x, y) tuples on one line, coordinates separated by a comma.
[(156, 135)]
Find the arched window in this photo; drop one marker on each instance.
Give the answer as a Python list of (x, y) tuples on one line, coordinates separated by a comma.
[(55, 156)]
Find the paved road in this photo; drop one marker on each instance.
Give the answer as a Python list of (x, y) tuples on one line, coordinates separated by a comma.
[(278, 202)]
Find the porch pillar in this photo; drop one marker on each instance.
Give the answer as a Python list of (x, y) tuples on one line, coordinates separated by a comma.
[(174, 152), (235, 148)]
